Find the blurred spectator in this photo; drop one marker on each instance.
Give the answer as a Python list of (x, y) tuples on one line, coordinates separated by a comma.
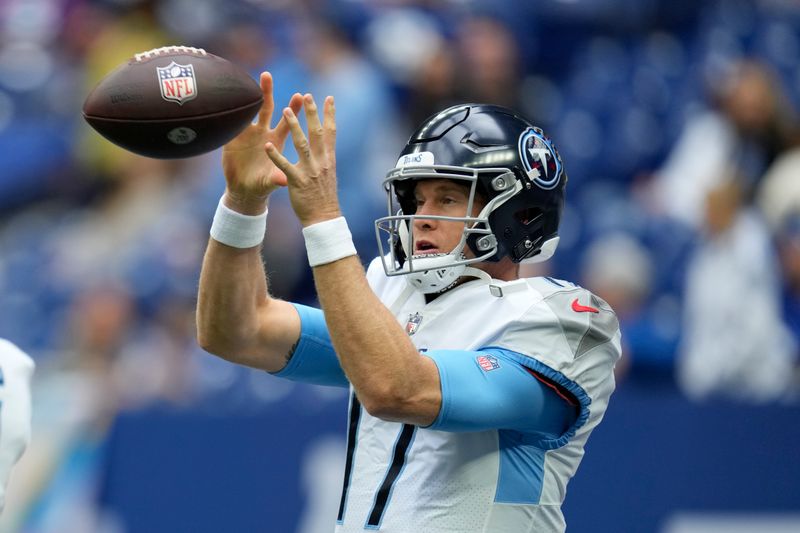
[(434, 85), (411, 47), (479, 60), (322, 58), (135, 29), (75, 401), (735, 343), (366, 116), (102, 320), (490, 58), (788, 241), (749, 126), (778, 195), (481, 63)]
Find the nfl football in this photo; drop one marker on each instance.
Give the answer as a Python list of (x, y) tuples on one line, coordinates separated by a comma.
[(173, 102)]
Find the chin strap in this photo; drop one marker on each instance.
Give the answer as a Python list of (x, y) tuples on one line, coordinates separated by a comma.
[(494, 288), (477, 273)]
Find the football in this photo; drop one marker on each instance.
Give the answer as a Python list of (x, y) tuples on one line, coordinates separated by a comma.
[(173, 102)]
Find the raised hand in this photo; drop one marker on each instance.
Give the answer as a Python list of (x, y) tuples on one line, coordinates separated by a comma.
[(312, 180), (249, 174)]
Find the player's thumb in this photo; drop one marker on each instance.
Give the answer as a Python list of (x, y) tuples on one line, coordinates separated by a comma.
[(278, 178)]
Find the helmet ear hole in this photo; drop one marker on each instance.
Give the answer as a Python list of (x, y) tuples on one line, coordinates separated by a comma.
[(528, 216)]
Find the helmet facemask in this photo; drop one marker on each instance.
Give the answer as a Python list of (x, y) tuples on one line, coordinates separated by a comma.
[(431, 273), (507, 162)]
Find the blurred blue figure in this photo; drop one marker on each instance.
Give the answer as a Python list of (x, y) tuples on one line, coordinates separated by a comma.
[(735, 343), (325, 61), (748, 126)]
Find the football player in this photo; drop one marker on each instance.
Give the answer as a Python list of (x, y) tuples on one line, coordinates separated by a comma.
[(473, 390), (16, 371)]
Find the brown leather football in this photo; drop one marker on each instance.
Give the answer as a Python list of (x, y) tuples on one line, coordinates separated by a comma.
[(173, 102)]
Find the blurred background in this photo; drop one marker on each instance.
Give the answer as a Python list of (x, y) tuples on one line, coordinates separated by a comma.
[(677, 123)]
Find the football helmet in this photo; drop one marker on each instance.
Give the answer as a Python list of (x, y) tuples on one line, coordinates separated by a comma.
[(506, 161)]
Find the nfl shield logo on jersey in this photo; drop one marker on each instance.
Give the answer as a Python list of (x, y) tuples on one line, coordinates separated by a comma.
[(413, 323), (177, 82), (487, 362)]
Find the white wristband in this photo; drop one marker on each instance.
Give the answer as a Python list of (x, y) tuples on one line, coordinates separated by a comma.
[(328, 241), (235, 229)]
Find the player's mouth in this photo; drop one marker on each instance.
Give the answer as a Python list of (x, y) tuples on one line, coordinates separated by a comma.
[(423, 247)]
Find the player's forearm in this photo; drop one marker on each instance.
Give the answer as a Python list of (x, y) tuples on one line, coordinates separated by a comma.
[(379, 359), (233, 288)]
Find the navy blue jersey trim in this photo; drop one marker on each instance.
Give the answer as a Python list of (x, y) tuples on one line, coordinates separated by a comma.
[(399, 461), (352, 441), (554, 282)]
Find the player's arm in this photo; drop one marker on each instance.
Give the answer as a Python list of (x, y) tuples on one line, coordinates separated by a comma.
[(236, 317), (497, 388), (392, 380), (444, 390)]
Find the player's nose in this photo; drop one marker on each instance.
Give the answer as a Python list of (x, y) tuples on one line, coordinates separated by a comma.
[(424, 224), (424, 210)]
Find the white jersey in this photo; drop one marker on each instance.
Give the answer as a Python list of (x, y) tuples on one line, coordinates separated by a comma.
[(16, 371), (405, 479)]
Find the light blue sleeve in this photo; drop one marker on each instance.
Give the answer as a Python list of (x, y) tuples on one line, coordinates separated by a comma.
[(314, 360), (490, 389)]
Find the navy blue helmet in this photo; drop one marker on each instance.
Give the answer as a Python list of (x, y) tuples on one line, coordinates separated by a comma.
[(510, 163)]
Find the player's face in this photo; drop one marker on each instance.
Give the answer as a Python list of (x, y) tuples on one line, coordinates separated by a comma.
[(441, 197)]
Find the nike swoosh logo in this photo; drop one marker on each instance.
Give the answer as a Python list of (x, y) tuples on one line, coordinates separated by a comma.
[(578, 308)]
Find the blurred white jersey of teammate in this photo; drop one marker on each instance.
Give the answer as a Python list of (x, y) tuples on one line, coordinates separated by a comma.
[(16, 372), (408, 479)]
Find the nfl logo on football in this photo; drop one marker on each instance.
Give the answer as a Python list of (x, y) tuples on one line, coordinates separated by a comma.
[(177, 83)]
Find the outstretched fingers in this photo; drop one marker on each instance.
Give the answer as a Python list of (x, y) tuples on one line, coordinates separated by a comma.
[(315, 132), (282, 129), (286, 169), (329, 127), (301, 144), (265, 113)]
